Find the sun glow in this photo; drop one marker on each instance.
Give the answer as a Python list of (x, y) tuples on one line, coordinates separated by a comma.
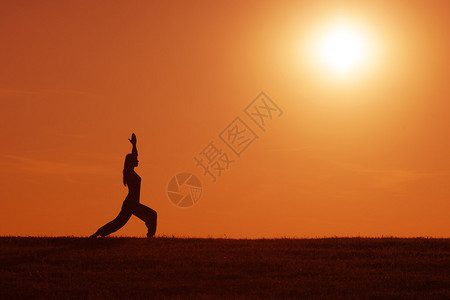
[(341, 49)]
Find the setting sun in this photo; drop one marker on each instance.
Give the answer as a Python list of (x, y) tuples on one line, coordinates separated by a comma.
[(341, 48)]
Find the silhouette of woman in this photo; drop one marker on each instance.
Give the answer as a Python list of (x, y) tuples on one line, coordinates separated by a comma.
[(131, 205)]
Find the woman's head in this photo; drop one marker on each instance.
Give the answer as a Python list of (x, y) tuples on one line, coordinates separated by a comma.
[(131, 161)]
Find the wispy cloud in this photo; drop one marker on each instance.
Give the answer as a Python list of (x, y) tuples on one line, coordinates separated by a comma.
[(49, 167), (287, 149), (8, 91), (383, 177)]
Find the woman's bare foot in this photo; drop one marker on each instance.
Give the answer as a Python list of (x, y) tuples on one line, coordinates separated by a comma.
[(94, 236)]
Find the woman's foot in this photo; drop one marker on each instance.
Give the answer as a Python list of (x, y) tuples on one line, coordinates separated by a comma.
[(94, 236)]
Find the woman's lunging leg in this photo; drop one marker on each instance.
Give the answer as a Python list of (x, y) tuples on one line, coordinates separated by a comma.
[(147, 215), (121, 219)]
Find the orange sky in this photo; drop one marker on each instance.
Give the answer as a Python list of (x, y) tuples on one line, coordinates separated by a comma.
[(366, 157)]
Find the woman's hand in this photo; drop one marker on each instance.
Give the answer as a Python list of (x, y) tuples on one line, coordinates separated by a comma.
[(133, 139)]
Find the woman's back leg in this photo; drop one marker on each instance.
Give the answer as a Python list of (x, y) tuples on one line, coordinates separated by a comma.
[(147, 215)]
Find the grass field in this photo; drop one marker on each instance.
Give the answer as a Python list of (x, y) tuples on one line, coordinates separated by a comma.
[(224, 268)]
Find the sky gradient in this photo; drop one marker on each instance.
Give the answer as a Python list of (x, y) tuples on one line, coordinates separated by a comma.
[(368, 156)]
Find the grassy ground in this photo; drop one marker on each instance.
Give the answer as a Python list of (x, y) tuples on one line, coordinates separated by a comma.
[(224, 268)]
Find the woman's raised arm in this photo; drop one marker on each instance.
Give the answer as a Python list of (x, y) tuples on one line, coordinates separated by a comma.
[(133, 141)]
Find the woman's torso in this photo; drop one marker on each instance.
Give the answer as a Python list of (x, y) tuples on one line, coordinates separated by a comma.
[(134, 187)]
